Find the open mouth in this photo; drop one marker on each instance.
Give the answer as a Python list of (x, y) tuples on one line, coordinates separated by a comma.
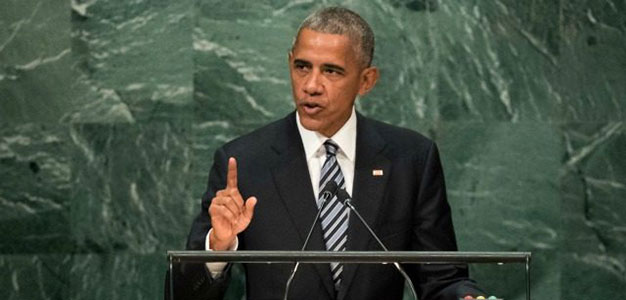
[(311, 108), (311, 105)]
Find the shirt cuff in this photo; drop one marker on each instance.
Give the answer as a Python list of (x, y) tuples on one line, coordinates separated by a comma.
[(216, 268)]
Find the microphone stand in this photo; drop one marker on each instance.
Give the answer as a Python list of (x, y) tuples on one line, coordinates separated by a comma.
[(329, 191), (342, 194)]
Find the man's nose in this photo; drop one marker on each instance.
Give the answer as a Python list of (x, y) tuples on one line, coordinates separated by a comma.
[(313, 85)]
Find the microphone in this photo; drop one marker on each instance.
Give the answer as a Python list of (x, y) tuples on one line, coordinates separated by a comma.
[(344, 198), (328, 192)]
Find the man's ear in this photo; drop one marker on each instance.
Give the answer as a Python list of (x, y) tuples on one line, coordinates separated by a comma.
[(369, 77)]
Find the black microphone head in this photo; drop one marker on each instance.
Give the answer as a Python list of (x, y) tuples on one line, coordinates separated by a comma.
[(330, 187), (342, 195)]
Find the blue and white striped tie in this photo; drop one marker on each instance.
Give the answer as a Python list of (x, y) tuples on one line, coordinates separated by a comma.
[(334, 217)]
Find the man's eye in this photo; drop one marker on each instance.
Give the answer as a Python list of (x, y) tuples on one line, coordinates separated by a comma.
[(300, 66), (333, 72)]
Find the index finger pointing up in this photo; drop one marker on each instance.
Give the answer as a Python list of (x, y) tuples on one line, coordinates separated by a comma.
[(231, 176)]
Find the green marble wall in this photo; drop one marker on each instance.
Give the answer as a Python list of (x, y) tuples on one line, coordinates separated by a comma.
[(111, 110)]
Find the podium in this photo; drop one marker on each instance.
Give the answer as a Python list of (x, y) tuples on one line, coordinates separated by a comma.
[(356, 257)]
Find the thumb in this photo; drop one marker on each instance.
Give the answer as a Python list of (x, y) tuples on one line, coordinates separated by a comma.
[(249, 207)]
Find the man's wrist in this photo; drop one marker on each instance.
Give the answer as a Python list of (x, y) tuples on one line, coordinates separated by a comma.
[(220, 245), (217, 268)]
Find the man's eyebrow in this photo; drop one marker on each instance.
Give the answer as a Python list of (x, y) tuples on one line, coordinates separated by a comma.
[(334, 67), (301, 61), (327, 66)]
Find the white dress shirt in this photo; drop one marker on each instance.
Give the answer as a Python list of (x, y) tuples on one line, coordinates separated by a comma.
[(315, 153)]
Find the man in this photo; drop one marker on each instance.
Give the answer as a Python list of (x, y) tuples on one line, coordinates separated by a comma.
[(263, 187)]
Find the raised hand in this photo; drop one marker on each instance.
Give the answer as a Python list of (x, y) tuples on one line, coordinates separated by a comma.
[(230, 215)]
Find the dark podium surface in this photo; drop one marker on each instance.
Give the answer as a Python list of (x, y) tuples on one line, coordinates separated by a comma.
[(367, 257)]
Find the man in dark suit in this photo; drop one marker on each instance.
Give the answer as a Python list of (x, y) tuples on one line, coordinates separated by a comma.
[(263, 186)]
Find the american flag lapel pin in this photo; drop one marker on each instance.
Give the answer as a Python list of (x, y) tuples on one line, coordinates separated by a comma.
[(377, 172)]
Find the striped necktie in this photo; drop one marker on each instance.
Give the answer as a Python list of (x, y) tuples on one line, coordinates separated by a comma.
[(334, 216)]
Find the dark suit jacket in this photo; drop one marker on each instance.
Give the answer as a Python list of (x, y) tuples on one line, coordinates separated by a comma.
[(407, 208)]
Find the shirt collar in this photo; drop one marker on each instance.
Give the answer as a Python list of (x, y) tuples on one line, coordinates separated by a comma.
[(345, 138)]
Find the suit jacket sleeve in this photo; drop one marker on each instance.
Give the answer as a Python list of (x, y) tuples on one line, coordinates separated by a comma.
[(433, 231), (194, 281)]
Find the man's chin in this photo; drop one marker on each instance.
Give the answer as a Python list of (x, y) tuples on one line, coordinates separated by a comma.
[(310, 124)]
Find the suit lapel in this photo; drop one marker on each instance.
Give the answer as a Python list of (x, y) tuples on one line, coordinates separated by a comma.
[(367, 192), (293, 182)]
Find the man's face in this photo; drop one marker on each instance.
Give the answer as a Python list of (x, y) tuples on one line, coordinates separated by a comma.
[(326, 77)]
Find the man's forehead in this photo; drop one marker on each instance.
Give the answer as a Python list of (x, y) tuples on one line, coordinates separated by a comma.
[(318, 44), (310, 35), (322, 35)]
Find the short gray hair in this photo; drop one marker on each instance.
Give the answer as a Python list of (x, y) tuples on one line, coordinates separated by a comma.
[(339, 20)]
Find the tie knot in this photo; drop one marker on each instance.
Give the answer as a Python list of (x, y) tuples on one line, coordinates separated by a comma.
[(331, 147)]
